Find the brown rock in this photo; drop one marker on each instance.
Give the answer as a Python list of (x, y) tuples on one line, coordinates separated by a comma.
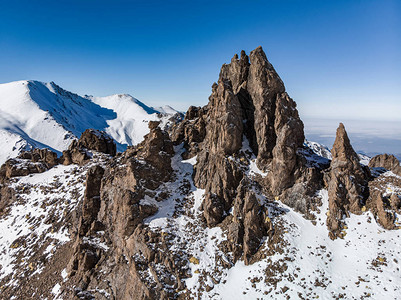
[(97, 140), (91, 202), (19, 167), (386, 161), (248, 212), (347, 185), (220, 177), (191, 131)]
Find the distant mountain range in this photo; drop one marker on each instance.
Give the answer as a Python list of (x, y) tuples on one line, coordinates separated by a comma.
[(35, 114)]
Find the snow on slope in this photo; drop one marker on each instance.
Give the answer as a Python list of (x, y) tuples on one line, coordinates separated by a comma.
[(37, 114), (307, 264), (362, 265), (25, 227), (133, 116)]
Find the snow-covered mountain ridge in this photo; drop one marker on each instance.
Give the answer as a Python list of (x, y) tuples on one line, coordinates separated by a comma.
[(230, 203), (35, 114)]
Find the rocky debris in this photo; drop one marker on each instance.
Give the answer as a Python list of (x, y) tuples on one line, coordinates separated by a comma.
[(90, 139), (28, 162), (347, 182), (191, 131), (386, 161), (385, 199), (97, 140)]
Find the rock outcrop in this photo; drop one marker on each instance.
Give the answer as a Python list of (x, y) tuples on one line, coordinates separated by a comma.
[(90, 139), (85, 255), (386, 161), (249, 102), (117, 200), (97, 140), (384, 202), (28, 162), (347, 183)]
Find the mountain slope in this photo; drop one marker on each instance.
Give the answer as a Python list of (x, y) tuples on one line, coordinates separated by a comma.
[(37, 114), (230, 203)]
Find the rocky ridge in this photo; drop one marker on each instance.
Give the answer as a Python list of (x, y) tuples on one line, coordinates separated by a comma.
[(170, 217)]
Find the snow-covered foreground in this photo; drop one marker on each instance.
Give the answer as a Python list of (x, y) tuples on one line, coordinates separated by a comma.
[(304, 264), (33, 223), (37, 114), (363, 264), (309, 265)]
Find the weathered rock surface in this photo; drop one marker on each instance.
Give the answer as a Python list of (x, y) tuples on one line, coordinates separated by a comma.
[(252, 221), (248, 143), (97, 140), (28, 162), (386, 161), (91, 139), (347, 183), (114, 204), (191, 131), (383, 201), (249, 101)]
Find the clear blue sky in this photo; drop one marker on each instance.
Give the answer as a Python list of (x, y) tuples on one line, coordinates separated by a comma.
[(337, 58)]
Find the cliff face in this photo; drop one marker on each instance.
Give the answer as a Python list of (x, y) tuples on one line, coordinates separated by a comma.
[(249, 104), (168, 218)]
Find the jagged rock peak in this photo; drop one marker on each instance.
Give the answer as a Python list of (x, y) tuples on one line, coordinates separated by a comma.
[(347, 185), (342, 148)]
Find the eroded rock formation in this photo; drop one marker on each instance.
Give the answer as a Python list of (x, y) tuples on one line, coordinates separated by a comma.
[(386, 161), (91, 139), (28, 162), (347, 185)]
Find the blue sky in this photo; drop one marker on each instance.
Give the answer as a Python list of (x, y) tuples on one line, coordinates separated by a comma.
[(338, 59)]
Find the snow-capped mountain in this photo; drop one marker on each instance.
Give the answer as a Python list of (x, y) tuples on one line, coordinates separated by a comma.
[(229, 203), (37, 114)]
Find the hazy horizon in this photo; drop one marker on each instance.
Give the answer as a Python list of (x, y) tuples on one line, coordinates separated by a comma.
[(337, 59), (366, 136)]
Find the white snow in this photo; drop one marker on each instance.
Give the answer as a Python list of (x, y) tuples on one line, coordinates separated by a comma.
[(24, 226), (344, 266), (56, 290), (43, 115)]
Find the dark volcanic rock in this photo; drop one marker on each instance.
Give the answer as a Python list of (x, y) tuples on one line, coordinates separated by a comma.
[(347, 185)]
